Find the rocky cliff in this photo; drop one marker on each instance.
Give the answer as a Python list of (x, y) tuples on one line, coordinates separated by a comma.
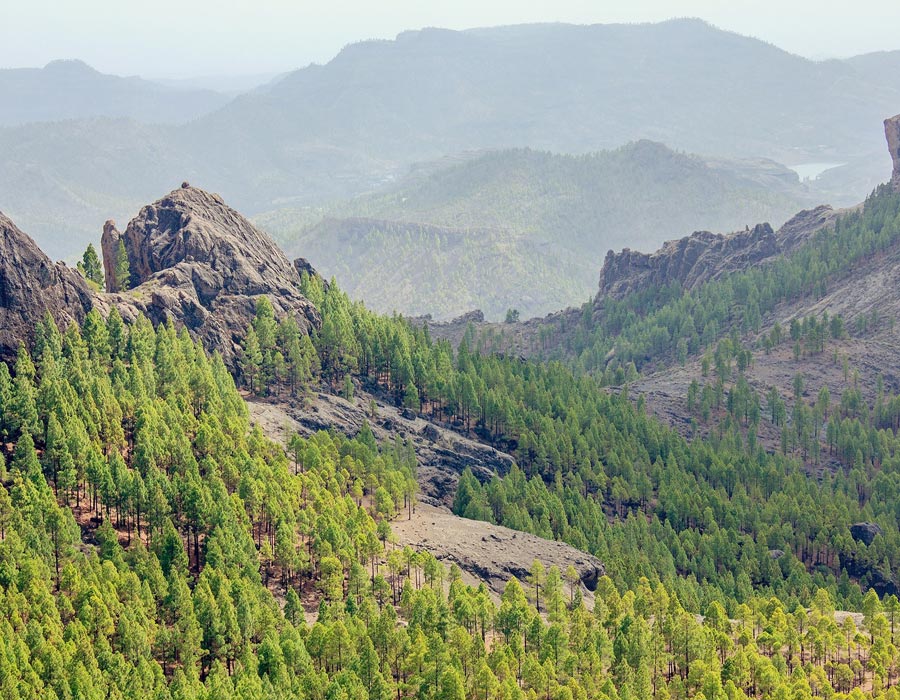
[(705, 256), (196, 261), (109, 244), (193, 260), (892, 134), (31, 285)]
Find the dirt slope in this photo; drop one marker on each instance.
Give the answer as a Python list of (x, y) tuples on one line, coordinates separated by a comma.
[(484, 552)]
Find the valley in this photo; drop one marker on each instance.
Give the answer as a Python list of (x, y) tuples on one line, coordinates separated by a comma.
[(490, 364)]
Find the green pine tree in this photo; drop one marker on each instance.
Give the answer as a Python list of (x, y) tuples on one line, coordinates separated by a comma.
[(122, 269), (90, 266)]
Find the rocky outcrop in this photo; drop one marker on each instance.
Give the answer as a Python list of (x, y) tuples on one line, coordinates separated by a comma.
[(704, 256), (865, 532), (690, 261), (304, 267), (491, 553), (109, 246), (30, 286), (199, 263), (892, 134), (801, 226)]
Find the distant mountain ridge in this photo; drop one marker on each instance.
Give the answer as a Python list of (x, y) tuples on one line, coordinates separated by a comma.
[(71, 89), (334, 131)]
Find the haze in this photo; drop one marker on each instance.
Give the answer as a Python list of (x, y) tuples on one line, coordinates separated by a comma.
[(173, 39)]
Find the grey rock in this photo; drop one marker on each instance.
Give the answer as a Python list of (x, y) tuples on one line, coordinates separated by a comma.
[(197, 262), (892, 134), (31, 285), (865, 532)]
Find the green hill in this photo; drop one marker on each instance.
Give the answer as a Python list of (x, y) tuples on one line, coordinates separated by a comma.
[(525, 229)]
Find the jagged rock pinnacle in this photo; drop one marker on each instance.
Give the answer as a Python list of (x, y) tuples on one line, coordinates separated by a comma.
[(892, 134), (196, 261), (109, 242)]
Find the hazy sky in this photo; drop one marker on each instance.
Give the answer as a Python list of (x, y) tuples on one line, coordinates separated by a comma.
[(172, 38)]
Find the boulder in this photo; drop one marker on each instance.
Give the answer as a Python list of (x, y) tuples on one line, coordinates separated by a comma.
[(430, 433), (865, 532)]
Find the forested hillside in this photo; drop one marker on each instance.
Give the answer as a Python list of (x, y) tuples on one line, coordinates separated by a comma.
[(525, 229), (154, 545)]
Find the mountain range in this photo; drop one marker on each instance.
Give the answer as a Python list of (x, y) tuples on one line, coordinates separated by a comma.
[(73, 90), (310, 513), (329, 132)]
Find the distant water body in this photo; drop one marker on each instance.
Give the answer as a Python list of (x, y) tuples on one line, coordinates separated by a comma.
[(810, 171)]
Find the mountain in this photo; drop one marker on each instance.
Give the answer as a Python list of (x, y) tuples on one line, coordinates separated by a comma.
[(190, 260), (32, 285), (883, 66), (170, 529), (337, 130), (523, 229), (572, 88), (73, 90)]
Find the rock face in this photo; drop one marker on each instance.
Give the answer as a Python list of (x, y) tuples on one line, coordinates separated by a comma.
[(892, 134), (31, 285), (690, 261), (865, 532), (705, 256), (109, 244), (304, 266), (491, 553), (802, 225), (199, 263)]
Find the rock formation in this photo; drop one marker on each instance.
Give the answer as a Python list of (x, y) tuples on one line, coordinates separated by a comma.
[(109, 243), (892, 133), (865, 532), (690, 261), (199, 263), (705, 256), (31, 285)]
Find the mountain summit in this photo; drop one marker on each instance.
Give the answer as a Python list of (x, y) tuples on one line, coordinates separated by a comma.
[(196, 261), (193, 260)]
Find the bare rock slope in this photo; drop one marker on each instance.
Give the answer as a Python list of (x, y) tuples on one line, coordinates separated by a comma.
[(196, 261), (441, 453), (31, 285), (490, 553), (483, 551)]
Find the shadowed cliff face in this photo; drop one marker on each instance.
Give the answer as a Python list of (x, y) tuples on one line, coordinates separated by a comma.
[(197, 262), (30, 286), (892, 134), (704, 256)]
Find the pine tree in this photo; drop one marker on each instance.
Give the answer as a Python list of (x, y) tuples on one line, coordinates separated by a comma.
[(251, 359), (122, 269), (90, 266)]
